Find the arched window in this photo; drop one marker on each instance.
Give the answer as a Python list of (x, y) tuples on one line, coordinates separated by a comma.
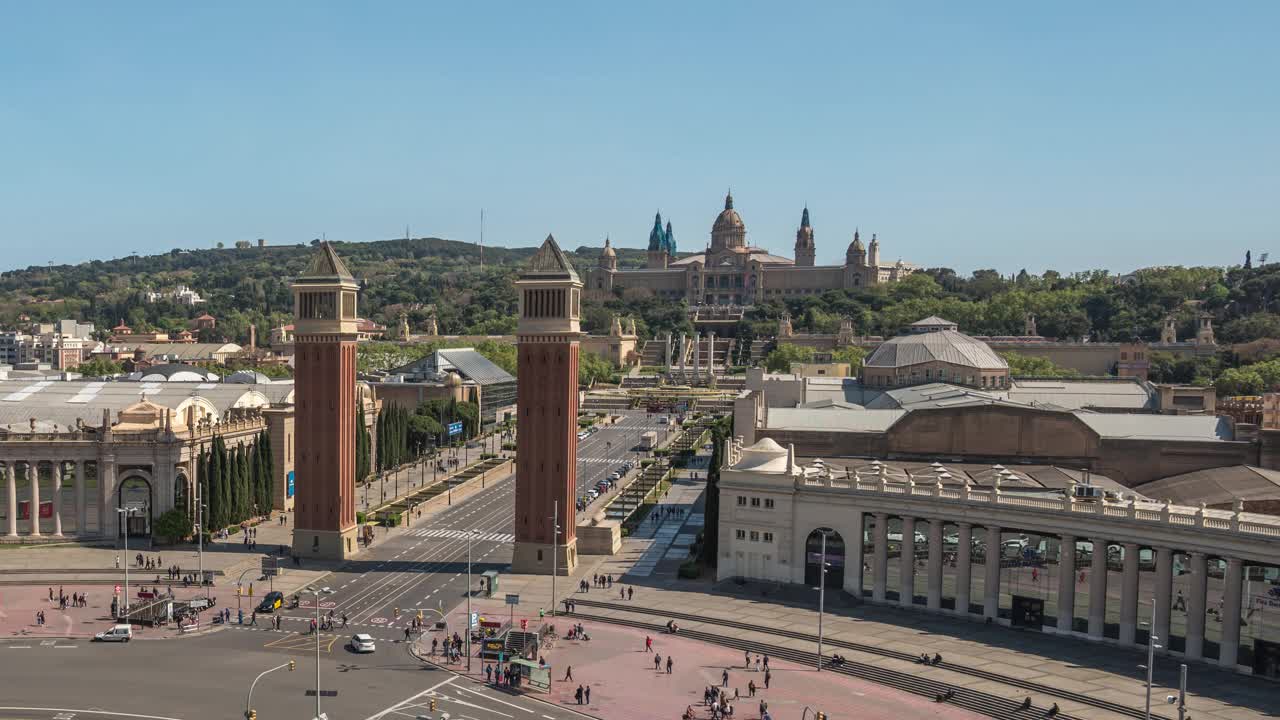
[(813, 557)]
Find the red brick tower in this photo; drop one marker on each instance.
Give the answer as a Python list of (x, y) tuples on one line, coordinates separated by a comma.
[(547, 402), (324, 309)]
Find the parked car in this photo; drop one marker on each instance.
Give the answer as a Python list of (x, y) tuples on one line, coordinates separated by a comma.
[(361, 643), (271, 601), (117, 633)]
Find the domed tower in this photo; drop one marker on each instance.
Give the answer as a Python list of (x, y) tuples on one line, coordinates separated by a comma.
[(804, 242), (728, 230), (873, 252), (856, 255), (608, 258), (658, 256)]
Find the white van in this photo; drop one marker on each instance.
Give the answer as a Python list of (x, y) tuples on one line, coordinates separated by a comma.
[(118, 633)]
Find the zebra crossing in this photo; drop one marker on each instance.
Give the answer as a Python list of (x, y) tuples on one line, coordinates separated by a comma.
[(462, 534)]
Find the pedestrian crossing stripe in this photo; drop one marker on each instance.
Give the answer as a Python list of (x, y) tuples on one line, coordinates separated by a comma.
[(446, 534)]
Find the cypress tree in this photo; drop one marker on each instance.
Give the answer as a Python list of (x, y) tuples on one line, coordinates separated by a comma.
[(202, 477), (217, 485), (244, 501), (379, 427), (255, 478), (268, 463), (362, 446)]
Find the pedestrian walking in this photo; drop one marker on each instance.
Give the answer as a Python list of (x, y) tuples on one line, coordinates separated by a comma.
[(648, 644), (766, 663), (568, 673), (577, 695), (757, 663), (669, 664), (747, 660), (587, 693), (630, 592), (657, 662), (724, 678), (767, 677), (751, 689)]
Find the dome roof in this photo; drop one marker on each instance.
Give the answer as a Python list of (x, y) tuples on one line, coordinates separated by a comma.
[(174, 372), (728, 219), (608, 250), (947, 346), (765, 456)]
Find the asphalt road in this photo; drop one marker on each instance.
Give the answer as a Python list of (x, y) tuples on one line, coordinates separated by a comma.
[(208, 676)]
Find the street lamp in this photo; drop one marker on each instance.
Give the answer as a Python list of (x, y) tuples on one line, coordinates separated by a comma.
[(822, 587), (1181, 698), (124, 514), (555, 541), (317, 593), (248, 703), (200, 508), (470, 535), (1151, 656)]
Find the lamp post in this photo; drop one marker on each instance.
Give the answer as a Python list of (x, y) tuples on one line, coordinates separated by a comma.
[(1151, 656), (555, 564), (317, 593), (470, 535), (124, 515), (1181, 698), (248, 703), (822, 588), (201, 508)]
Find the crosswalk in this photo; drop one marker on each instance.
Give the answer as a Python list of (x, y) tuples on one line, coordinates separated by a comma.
[(445, 534)]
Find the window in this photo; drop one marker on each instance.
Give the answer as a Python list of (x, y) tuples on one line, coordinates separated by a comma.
[(768, 503), (740, 534), (742, 500), (768, 537), (755, 502), (755, 536)]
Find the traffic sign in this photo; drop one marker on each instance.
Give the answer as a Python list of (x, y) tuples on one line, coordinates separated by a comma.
[(117, 589), (475, 619), (513, 599), (455, 428)]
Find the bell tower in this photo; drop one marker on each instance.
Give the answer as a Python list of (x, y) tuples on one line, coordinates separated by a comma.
[(324, 309), (547, 425), (805, 249)]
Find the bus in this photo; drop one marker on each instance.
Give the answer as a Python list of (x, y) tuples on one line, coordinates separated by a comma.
[(649, 440)]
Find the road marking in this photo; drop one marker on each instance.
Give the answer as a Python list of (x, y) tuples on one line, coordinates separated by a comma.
[(402, 703), (487, 697), (94, 712), (19, 647)]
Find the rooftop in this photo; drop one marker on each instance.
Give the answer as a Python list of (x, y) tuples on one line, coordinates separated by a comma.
[(948, 346)]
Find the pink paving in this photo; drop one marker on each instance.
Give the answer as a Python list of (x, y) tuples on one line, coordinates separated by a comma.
[(19, 604), (625, 686)]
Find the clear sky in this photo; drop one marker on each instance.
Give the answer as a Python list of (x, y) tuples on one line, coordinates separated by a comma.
[(967, 134)]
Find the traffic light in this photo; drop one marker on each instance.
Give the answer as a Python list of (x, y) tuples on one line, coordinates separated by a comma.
[(252, 715), (820, 716), (292, 665), (433, 704)]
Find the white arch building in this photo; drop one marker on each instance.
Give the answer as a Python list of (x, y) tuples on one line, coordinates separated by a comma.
[(1207, 580)]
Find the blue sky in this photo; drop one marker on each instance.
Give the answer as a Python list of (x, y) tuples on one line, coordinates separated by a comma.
[(968, 135)]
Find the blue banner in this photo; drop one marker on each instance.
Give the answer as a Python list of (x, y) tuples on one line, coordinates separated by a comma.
[(455, 428), (289, 485)]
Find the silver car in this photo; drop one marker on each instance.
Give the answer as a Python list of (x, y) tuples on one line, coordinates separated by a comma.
[(361, 643)]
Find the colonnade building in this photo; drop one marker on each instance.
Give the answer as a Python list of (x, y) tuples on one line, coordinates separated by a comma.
[(1072, 557)]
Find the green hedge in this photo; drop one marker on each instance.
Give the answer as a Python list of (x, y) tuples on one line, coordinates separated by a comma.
[(361, 517)]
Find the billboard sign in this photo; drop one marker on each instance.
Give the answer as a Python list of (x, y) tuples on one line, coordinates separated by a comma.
[(455, 428)]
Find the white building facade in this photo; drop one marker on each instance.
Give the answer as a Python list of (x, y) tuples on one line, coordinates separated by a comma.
[(1208, 581)]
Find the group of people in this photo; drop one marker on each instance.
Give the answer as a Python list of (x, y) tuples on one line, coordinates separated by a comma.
[(577, 632), (64, 601), (924, 659), (452, 648), (143, 562), (718, 701), (251, 537), (508, 676), (583, 695), (661, 513)]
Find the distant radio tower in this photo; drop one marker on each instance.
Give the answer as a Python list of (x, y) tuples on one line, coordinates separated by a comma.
[(482, 238)]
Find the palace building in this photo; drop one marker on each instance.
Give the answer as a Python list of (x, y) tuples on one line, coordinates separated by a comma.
[(732, 272)]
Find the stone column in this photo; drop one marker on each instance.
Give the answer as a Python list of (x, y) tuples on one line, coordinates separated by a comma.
[(853, 559), (57, 498), (711, 354), (1066, 583), (11, 481), (82, 508), (1163, 595), (106, 486), (1229, 648), (880, 572), (991, 603), (697, 348), (668, 350), (964, 568), (1098, 589), (907, 563), (33, 474), (1129, 595), (935, 565), (1195, 607)]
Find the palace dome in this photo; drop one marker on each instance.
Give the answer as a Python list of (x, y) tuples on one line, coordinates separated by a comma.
[(728, 219), (948, 346)]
